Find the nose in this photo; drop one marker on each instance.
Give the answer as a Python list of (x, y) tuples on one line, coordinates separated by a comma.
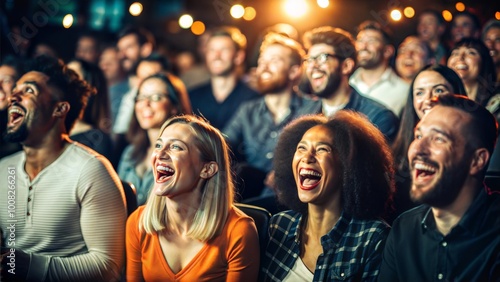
[(419, 147), (15, 96), (307, 157)]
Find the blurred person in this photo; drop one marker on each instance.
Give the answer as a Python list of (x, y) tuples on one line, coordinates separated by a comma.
[(93, 127), (157, 100), (189, 229), (454, 232), (116, 78), (432, 81), (133, 44), (413, 54), (219, 99), (254, 130), (491, 38), (87, 48), (70, 214), (10, 70), (336, 176), (430, 29), (471, 60), (374, 77), (464, 25), (198, 74), (330, 60)]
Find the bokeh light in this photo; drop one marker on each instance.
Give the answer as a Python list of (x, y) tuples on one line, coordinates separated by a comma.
[(237, 11), (396, 15), (185, 21), (460, 6), (447, 15), (497, 15), (409, 12), (296, 8), (323, 3), (135, 9), (67, 21), (198, 28), (250, 13)]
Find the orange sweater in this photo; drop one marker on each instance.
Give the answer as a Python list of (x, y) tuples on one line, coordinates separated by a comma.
[(231, 256)]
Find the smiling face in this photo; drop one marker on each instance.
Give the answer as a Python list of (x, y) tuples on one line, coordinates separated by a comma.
[(439, 159), (370, 48), (427, 85), (492, 41), (325, 78), (31, 107), (177, 166), (411, 58), (315, 169), (221, 55), (463, 26), (129, 51), (7, 81), (466, 62), (272, 70), (152, 105), (428, 27)]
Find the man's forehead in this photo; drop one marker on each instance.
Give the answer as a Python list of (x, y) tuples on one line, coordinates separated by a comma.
[(445, 116), (35, 76)]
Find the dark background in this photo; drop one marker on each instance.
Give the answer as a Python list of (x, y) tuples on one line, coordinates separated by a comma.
[(107, 16)]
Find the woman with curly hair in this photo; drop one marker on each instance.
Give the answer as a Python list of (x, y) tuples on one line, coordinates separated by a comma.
[(336, 175)]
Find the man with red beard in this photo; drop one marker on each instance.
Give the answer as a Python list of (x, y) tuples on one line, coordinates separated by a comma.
[(454, 235), (254, 129), (330, 61)]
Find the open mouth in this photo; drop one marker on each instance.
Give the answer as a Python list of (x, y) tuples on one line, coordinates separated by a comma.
[(309, 178), (163, 173), (16, 115), (424, 171)]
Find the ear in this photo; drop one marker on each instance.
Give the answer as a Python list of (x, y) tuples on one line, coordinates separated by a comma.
[(294, 73), (348, 66), (479, 161), (146, 49), (209, 170), (61, 109), (239, 57), (388, 51)]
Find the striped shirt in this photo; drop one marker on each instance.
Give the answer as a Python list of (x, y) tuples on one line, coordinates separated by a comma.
[(70, 218), (352, 250)]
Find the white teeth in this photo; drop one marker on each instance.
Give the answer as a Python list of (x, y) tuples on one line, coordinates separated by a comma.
[(15, 111), (164, 168), (303, 172), (461, 67), (265, 75), (424, 167), (317, 75)]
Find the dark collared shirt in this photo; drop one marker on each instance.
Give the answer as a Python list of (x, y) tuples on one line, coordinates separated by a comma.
[(218, 114), (253, 134), (417, 251), (384, 119), (352, 250)]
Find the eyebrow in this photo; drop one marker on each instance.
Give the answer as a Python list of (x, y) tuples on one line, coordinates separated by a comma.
[(436, 130)]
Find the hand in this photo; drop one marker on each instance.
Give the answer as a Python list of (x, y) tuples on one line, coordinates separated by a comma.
[(269, 181), (14, 264)]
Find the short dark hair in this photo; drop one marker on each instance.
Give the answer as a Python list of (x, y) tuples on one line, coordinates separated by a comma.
[(154, 58), (71, 88), (341, 40), (482, 131), (373, 25), (473, 17), (143, 35), (365, 160), (493, 23), (436, 14)]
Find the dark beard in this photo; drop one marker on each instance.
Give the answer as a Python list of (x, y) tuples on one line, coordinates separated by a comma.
[(447, 188), (332, 85), (17, 136)]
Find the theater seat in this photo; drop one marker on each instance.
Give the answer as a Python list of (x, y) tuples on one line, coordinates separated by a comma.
[(492, 178), (130, 196), (261, 217)]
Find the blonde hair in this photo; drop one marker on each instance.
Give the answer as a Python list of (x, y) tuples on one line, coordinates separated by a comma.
[(217, 193)]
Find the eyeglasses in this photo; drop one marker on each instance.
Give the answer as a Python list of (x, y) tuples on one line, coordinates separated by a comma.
[(150, 98), (320, 59)]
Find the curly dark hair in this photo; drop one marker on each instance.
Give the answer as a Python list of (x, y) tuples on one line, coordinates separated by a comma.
[(71, 88), (365, 161)]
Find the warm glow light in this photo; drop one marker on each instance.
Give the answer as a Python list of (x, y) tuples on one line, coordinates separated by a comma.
[(67, 21), (135, 9), (447, 15), (323, 3), (497, 15), (295, 8), (237, 11), (198, 28), (460, 6), (396, 15), (185, 21), (250, 13), (409, 12)]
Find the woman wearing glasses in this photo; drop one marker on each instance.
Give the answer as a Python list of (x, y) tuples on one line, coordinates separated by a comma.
[(157, 100)]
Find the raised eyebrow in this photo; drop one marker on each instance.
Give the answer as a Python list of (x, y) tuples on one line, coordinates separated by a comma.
[(446, 134), (32, 83), (444, 85)]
